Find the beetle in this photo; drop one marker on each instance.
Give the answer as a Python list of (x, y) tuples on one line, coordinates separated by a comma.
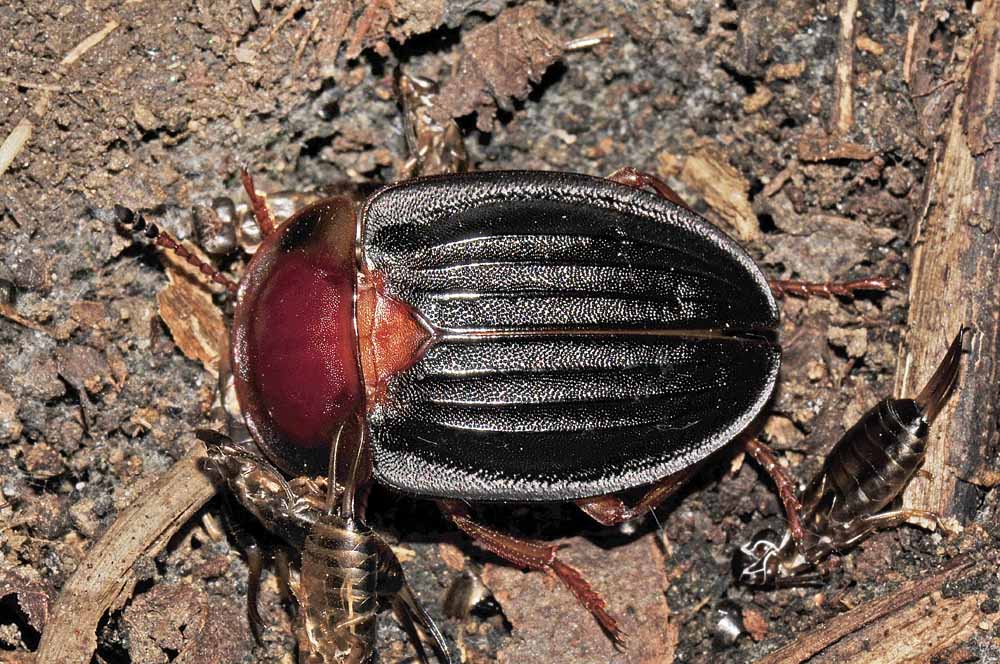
[(483, 337), (858, 488), (498, 336)]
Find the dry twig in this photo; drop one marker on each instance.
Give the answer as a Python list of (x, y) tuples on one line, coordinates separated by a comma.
[(105, 578), (840, 627)]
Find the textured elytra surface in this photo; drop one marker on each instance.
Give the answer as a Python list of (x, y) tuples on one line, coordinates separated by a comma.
[(570, 355)]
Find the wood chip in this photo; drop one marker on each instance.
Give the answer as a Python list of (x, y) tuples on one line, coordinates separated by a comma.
[(186, 306), (820, 146), (784, 72), (14, 143), (843, 84), (499, 62), (755, 624), (451, 556), (758, 100), (724, 189), (869, 45)]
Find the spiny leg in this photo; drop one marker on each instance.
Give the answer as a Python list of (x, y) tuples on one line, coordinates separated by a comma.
[(829, 290), (527, 554), (611, 511), (632, 177), (258, 203), (763, 455)]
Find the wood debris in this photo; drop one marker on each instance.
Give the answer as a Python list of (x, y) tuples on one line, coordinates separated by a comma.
[(724, 189), (499, 62), (185, 305), (820, 146)]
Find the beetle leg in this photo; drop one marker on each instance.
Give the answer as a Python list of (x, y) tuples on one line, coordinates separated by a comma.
[(829, 290), (611, 511), (764, 456), (632, 177), (258, 203), (528, 554)]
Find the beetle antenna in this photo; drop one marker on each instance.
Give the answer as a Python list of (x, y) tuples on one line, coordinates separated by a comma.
[(138, 224)]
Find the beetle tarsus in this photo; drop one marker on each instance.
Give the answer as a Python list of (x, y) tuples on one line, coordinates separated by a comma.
[(590, 599), (784, 483), (832, 289), (527, 554), (258, 203)]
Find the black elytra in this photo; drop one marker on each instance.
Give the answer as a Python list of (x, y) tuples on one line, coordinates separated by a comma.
[(587, 336)]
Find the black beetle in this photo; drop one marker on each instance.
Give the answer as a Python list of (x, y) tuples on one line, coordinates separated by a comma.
[(498, 336)]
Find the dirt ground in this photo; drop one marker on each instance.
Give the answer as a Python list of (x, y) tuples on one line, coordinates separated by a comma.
[(746, 108)]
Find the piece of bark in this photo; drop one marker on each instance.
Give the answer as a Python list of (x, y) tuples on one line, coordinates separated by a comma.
[(181, 623), (550, 626), (31, 598), (816, 145), (194, 321), (919, 632), (723, 187), (954, 282), (499, 62), (842, 120), (105, 578)]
